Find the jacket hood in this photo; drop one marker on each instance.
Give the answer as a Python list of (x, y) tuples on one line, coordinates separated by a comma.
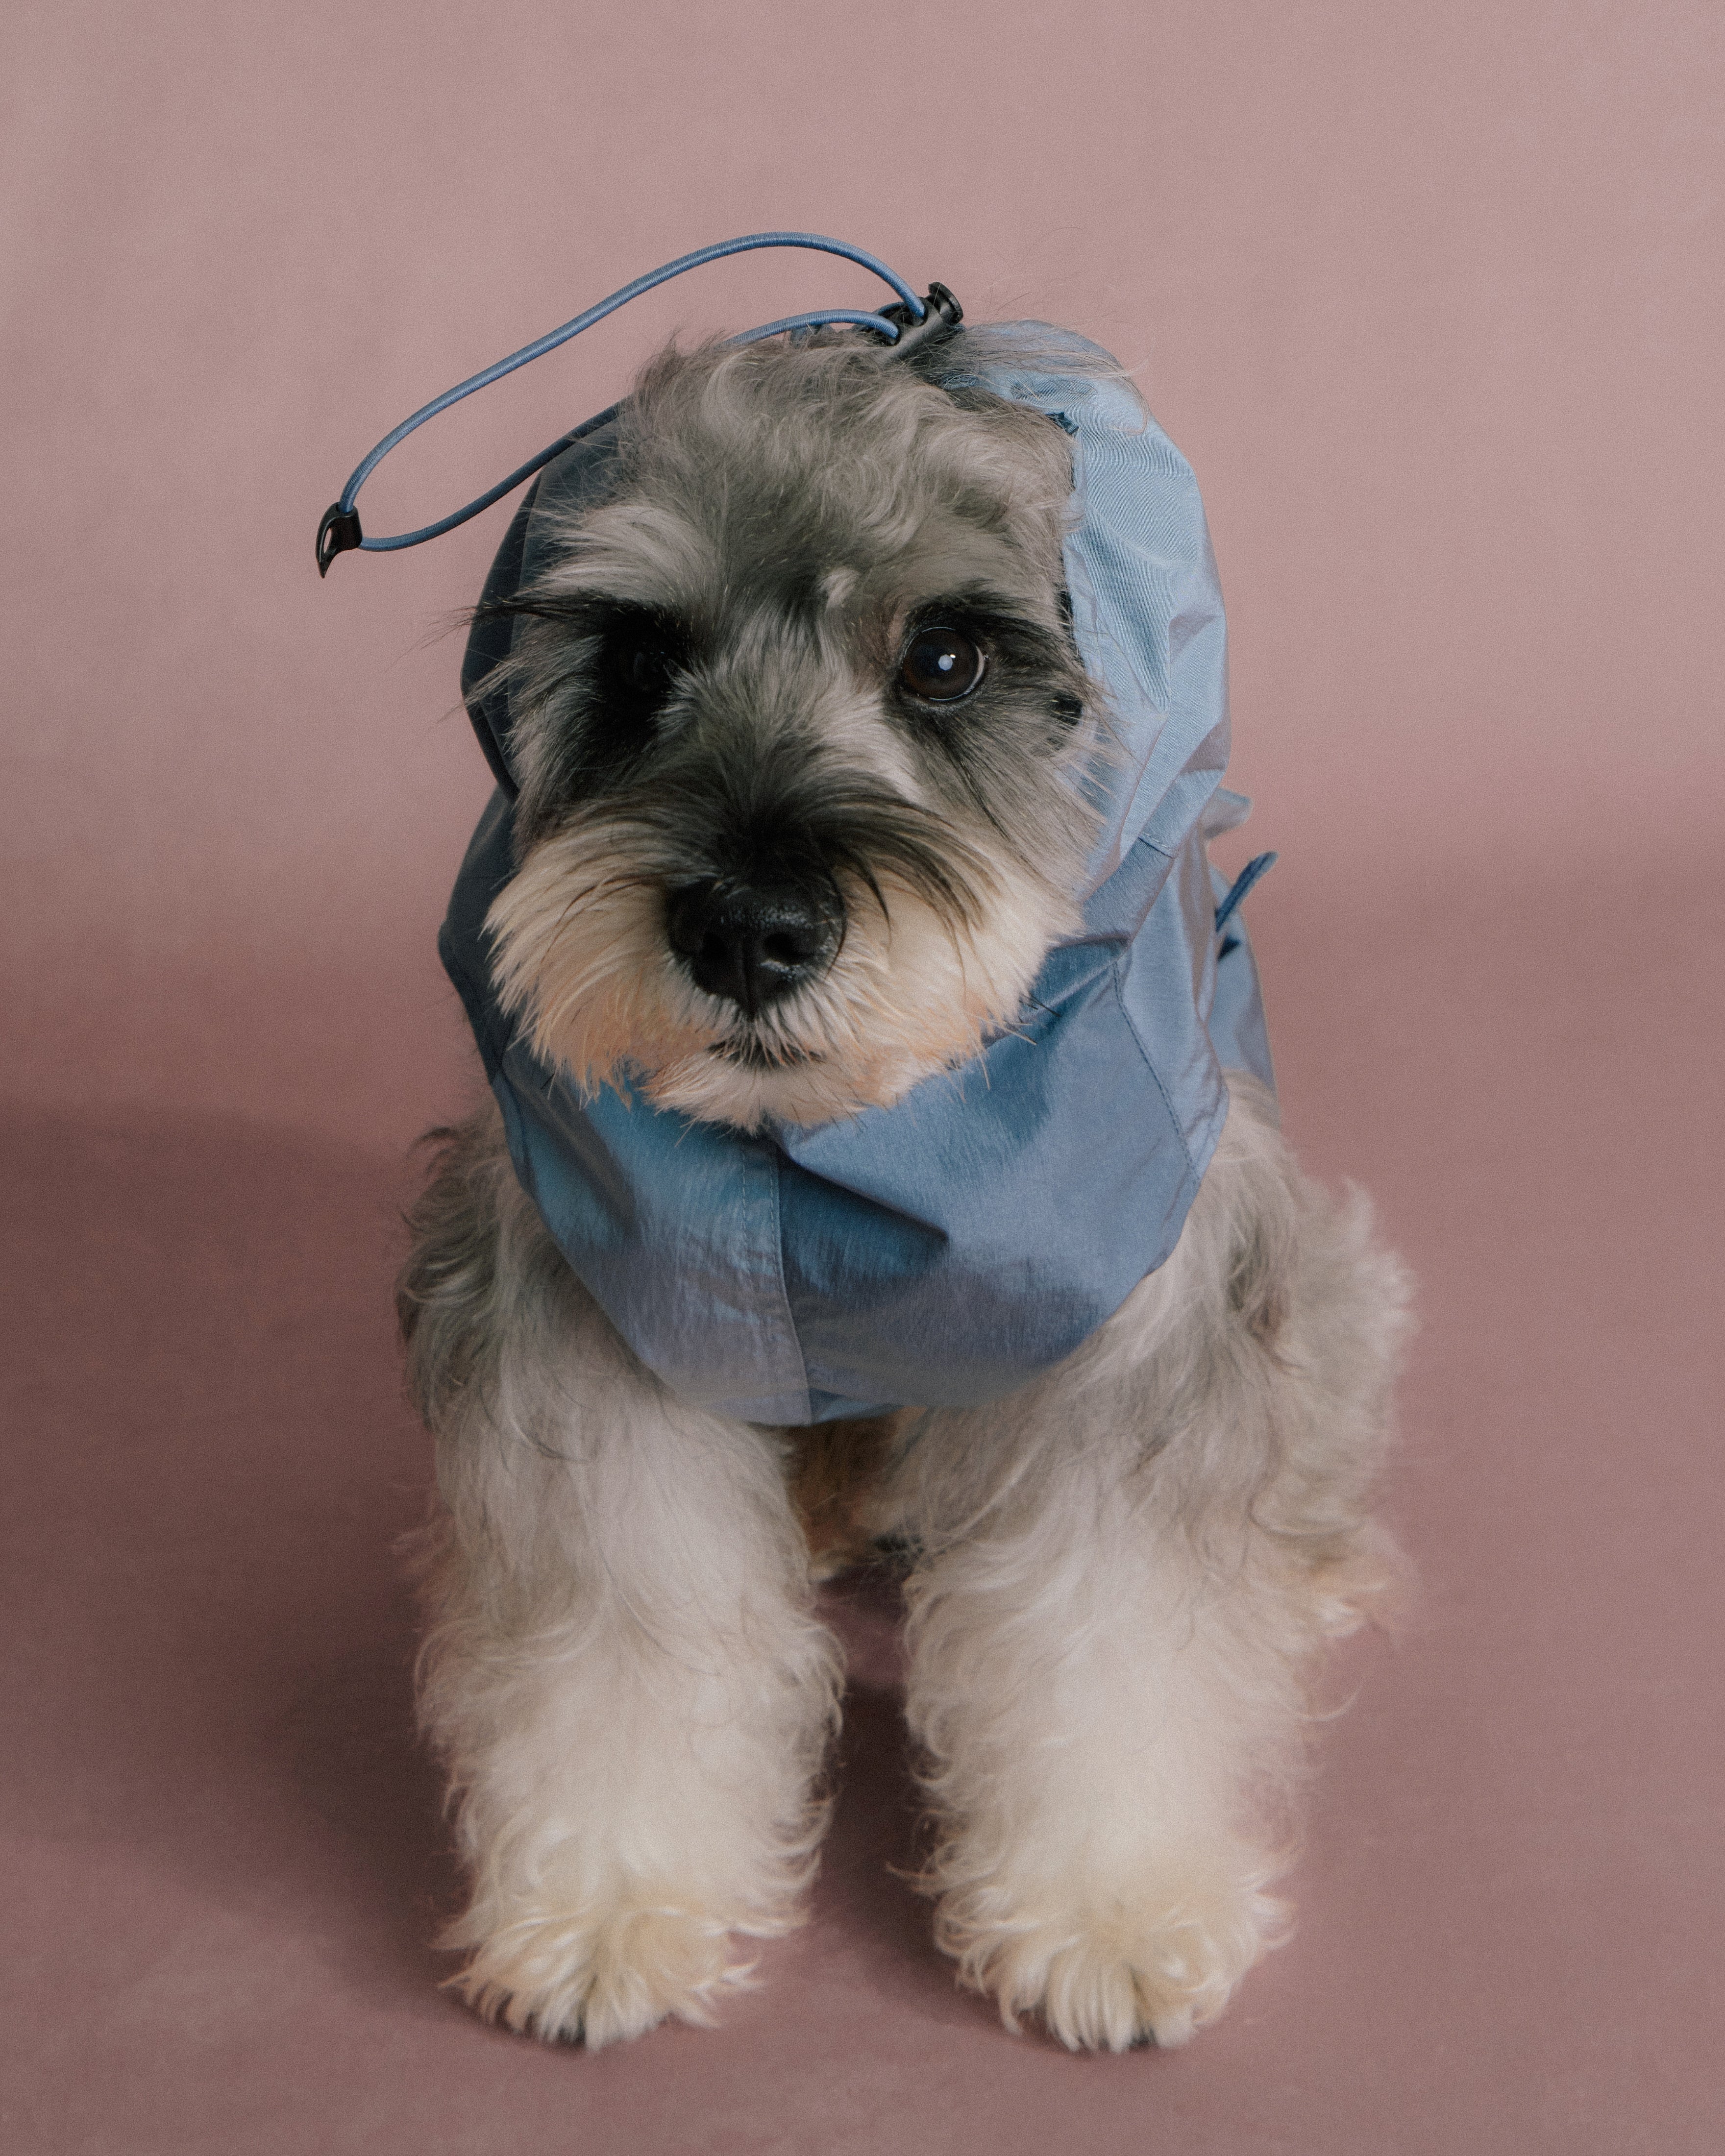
[(941, 1251)]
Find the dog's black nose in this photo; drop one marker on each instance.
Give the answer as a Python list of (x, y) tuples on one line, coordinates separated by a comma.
[(752, 946)]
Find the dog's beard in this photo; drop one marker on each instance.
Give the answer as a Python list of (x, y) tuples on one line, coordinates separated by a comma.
[(920, 981)]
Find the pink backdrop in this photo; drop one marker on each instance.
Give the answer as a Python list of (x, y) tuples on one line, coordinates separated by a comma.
[(1430, 296), (1434, 297)]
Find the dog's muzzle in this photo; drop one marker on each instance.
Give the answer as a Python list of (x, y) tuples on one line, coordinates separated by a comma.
[(751, 946)]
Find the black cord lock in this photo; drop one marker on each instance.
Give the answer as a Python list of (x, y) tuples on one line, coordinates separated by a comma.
[(941, 313), (338, 533)]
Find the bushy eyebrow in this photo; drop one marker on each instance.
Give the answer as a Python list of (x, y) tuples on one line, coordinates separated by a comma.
[(584, 613)]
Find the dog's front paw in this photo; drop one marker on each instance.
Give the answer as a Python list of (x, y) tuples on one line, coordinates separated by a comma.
[(594, 1975), (1106, 1969)]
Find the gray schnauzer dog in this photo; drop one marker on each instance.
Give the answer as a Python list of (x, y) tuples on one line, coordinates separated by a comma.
[(855, 886)]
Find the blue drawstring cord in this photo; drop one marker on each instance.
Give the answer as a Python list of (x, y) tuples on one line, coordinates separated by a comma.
[(340, 530), (1260, 866)]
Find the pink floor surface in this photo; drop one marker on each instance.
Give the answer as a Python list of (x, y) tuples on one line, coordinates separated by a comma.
[(224, 1854)]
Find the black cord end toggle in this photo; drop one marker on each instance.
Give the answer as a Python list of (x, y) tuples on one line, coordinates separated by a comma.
[(942, 314), (338, 533)]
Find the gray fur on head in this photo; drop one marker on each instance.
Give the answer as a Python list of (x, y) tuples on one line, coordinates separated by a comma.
[(710, 712)]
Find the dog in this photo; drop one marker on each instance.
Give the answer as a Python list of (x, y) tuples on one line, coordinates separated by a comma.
[(813, 906)]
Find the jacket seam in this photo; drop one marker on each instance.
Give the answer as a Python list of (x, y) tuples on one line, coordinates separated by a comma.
[(778, 1161), (1178, 1127)]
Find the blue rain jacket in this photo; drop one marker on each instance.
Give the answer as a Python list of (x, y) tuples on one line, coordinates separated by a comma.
[(941, 1252)]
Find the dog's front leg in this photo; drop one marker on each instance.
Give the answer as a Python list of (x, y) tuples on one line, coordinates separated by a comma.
[(625, 1677), (1096, 1706), (1130, 1568)]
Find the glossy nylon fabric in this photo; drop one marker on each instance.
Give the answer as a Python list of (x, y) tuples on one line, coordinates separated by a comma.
[(941, 1252)]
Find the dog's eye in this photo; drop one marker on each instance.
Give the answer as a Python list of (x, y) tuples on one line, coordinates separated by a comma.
[(940, 665), (644, 669)]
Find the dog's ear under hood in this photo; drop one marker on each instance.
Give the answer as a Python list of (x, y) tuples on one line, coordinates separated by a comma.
[(942, 1251), (1147, 607)]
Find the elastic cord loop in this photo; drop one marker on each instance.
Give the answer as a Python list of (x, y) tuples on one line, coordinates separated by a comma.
[(340, 530), (493, 494)]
